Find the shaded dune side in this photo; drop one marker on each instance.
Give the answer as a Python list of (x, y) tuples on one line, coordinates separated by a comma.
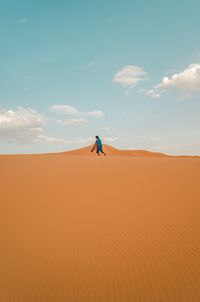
[(111, 151)]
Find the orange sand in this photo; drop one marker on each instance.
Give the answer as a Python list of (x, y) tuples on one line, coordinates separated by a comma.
[(109, 229)]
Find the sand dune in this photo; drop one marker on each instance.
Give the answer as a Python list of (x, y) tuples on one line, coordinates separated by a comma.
[(110, 229), (111, 151)]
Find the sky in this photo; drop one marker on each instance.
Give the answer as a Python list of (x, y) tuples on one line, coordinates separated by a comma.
[(128, 71)]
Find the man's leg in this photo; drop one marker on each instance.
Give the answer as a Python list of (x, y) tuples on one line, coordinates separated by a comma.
[(103, 152)]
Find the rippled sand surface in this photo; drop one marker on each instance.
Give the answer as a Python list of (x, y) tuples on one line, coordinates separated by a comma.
[(109, 229)]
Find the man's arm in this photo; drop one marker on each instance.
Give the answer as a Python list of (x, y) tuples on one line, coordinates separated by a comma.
[(93, 147)]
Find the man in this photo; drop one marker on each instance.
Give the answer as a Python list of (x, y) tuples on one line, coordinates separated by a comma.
[(98, 146)]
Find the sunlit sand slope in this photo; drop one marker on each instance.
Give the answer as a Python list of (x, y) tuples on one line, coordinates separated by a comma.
[(109, 229), (111, 151)]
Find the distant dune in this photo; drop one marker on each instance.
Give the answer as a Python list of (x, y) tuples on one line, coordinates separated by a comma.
[(121, 228), (111, 151)]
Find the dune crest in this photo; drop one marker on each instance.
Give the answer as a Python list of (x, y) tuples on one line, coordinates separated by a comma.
[(111, 151)]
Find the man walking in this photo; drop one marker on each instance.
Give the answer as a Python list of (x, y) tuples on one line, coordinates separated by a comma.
[(98, 146)]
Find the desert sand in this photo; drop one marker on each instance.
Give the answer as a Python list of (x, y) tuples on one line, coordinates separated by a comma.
[(120, 228)]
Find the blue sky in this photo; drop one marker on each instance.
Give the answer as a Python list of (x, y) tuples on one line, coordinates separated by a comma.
[(128, 71)]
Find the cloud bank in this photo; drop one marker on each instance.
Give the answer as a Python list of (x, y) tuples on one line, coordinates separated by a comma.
[(25, 126), (186, 83), (21, 126)]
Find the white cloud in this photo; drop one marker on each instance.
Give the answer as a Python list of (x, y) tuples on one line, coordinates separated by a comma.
[(21, 125), (186, 83), (108, 139), (69, 110), (153, 93), (73, 122), (130, 75), (96, 113), (65, 109), (25, 126)]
